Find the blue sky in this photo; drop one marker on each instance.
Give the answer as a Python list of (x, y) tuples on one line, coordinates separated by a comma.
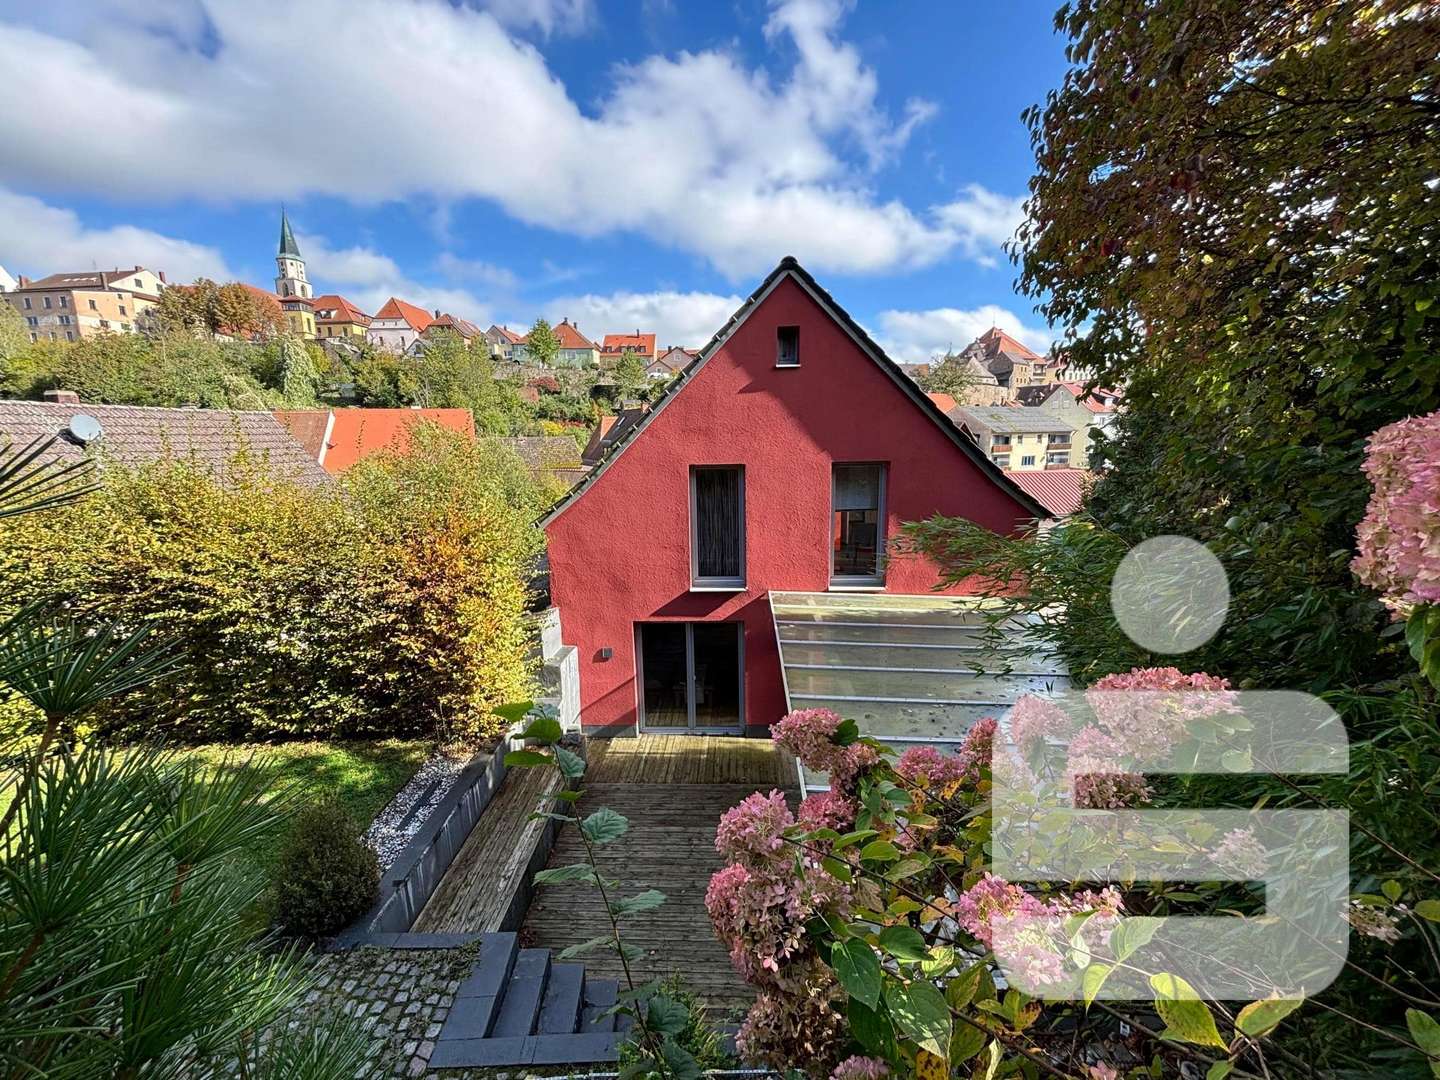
[(638, 163)]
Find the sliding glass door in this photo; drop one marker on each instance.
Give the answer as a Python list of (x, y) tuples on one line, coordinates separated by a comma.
[(691, 676)]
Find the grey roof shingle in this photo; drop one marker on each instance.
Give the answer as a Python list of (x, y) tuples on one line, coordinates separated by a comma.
[(136, 434), (1005, 418)]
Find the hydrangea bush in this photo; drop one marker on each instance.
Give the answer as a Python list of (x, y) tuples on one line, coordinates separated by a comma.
[(869, 920), (1398, 541)]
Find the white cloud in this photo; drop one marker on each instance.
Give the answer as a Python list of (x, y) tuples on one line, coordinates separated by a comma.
[(914, 337), (39, 239), (477, 270), (547, 16), (677, 318), (367, 278), (421, 99)]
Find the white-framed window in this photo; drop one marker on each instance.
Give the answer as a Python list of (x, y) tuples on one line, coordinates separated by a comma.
[(64, 301), (47, 301), (139, 284), (1028, 459), (857, 524), (28, 305), (69, 335), (1002, 460), (787, 346), (1061, 458), (717, 526)]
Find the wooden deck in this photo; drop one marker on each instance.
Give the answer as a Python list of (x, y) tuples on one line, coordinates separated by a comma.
[(673, 788)]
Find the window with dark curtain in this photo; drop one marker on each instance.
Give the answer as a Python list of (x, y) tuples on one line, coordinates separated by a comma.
[(855, 530), (719, 525), (787, 346)]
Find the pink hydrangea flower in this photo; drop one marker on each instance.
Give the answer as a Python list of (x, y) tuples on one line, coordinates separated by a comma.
[(826, 810), (809, 734), (1398, 540), (1097, 773), (1033, 720), (861, 1068), (992, 900), (848, 764), (1149, 710), (926, 765), (1241, 854), (1102, 1072), (752, 829)]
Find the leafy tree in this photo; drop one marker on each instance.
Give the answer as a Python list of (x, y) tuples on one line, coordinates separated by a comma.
[(1234, 217), (231, 309), (630, 376), (541, 344), (949, 374), (299, 377), (14, 334)]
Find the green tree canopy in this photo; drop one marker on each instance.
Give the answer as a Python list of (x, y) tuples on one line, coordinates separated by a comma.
[(541, 344), (949, 374)]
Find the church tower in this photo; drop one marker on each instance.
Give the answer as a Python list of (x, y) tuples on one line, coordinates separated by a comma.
[(290, 281)]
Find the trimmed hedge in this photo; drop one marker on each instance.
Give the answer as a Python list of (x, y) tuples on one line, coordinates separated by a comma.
[(390, 603)]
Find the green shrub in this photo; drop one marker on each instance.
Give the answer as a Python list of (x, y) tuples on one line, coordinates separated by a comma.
[(392, 603), (325, 876)]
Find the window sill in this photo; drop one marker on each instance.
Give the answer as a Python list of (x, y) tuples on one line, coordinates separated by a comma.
[(787, 367), (717, 587), (877, 587)]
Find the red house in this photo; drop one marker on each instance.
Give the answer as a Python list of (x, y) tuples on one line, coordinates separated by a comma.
[(784, 458)]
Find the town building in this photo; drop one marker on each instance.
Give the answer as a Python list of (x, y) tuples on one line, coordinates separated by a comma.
[(785, 459), (336, 317), (1012, 364), (503, 341), (68, 307), (576, 350), (463, 329), (335, 439), (291, 286), (670, 362), (1017, 438), (614, 346), (7, 283), (133, 435), (397, 325)]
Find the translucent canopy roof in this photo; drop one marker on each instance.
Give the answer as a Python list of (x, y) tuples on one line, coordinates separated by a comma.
[(908, 669)]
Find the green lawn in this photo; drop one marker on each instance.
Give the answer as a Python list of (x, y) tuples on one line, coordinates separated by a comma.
[(363, 775)]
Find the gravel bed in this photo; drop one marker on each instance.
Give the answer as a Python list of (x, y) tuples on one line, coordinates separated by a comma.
[(395, 826)]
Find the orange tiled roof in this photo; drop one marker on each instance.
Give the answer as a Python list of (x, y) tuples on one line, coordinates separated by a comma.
[(944, 402), (636, 342), (344, 310), (570, 338), (996, 340), (417, 318), (354, 434)]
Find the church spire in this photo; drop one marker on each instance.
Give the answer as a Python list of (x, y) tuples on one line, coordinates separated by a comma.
[(288, 247)]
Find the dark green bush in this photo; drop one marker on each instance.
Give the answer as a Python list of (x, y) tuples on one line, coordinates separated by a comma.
[(325, 876)]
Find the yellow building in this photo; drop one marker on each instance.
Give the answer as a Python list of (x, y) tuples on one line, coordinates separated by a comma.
[(336, 317), (68, 307)]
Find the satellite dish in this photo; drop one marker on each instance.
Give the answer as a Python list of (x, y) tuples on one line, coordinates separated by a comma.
[(84, 428)]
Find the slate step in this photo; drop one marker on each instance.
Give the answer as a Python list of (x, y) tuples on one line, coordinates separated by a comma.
[(520, 1004), (600, 995), (599, 1048), (479, 997), (564, 992)]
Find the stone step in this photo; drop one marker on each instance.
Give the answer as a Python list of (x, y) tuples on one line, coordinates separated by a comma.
[(560, 1009), (600, 995), (599, 1048), (520, 1004), (479, 997)]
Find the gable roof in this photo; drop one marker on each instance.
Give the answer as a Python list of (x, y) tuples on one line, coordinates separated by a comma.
[(463, 327), (417, 318), (998, 341), (571, 338), (88, 279), (503, 333), (789, 267), (344, 310), (139, 434), (636, 342)]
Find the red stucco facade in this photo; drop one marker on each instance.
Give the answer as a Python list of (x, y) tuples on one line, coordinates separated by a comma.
[(620, 549)]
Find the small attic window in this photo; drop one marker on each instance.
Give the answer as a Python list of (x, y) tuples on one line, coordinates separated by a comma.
[(787, 346)]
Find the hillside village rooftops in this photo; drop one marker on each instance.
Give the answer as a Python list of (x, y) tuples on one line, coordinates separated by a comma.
[(86, 279), (1007, 418), (338, 438), (137, 435), (636, 342), (339, 309), (569, 336)]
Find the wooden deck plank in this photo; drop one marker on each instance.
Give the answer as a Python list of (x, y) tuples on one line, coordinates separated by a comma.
[(673, 789), (476, 890)]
